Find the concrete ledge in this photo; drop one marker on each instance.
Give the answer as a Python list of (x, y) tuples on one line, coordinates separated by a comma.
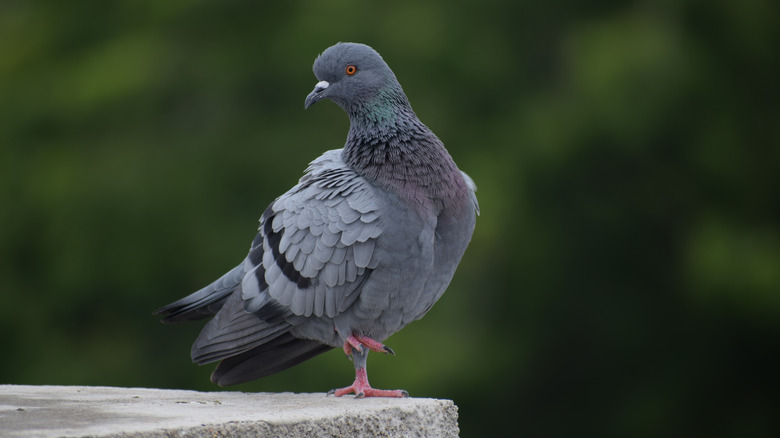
[(78, 411)]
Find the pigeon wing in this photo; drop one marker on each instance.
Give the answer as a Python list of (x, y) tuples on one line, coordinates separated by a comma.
[(315, 246), (314, 250)]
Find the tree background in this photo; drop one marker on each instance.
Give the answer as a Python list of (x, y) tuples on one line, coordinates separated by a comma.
[(624, 277)]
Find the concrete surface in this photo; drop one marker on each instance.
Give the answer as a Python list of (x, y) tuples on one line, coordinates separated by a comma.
[(78, 411)]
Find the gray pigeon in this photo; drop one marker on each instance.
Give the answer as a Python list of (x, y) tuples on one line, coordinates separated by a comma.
[(364, 244)]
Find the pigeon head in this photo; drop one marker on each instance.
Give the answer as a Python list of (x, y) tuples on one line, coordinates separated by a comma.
[(355, 77)]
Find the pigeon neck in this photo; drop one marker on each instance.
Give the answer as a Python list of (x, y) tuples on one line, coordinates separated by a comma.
[(385, 122), (400, 154), (380, 118)]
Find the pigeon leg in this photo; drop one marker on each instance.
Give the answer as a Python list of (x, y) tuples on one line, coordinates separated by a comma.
[(360, 386), (352, 342), (374, 345), (358, 342), (348, 348)]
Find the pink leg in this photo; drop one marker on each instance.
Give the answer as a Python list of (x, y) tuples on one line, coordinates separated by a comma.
[(361, 388)]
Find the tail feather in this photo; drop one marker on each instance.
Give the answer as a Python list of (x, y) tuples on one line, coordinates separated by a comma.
[(249, 345), (271, 357), (205, 302), (234, 331)]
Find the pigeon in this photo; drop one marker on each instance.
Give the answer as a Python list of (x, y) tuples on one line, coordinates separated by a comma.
[(364, 244)]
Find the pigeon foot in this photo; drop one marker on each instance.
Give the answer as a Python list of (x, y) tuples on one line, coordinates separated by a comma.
[(361, 388), (358, 342)]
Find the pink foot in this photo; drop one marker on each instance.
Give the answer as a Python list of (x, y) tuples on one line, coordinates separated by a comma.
[(358, 342), (361, 388), (348, 348)]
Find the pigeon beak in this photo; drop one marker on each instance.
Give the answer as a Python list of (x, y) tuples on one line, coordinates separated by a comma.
[(317, 94)]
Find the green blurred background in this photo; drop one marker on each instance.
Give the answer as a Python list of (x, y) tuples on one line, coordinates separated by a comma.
[(624, 277)]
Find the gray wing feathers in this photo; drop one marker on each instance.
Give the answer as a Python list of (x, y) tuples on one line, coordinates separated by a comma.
[(204, 302), (328, 224), (362, 252), (315, 248), (233, 331)]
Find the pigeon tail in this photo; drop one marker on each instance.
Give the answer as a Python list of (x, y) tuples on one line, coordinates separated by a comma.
[(234, 331), (204, 302), (275, 355)]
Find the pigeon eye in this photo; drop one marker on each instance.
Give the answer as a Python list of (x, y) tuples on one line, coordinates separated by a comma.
[(351, 70)]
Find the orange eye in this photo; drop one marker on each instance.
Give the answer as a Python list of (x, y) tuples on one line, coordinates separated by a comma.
[(351, 70)]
